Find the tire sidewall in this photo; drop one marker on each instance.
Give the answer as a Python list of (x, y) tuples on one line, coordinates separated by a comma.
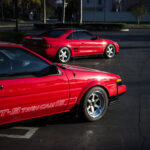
[(68, 51), (84, 105), (105, 54)]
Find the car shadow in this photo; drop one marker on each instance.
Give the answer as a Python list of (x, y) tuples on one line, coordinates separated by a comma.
[(74, 59), (59, 119)]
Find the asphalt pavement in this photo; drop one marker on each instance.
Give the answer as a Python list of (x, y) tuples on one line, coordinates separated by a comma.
[(126, 125)]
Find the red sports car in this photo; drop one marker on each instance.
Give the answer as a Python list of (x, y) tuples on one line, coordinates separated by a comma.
[(31, 86), (66, 43)]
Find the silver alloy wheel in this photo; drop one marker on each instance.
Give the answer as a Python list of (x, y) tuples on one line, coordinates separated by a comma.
[(64, 55), (110, 51), (95, 104)]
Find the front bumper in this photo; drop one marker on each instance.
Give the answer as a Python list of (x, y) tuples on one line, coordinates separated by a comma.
[(121, 89)]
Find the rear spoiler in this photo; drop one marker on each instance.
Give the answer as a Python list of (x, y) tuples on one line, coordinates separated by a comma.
[(33, 38)]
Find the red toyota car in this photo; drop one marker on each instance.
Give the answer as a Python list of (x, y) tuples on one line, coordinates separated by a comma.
[(31, 86), (65, 43)]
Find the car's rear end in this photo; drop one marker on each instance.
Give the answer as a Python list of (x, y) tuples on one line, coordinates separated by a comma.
[(46, 43), (37, 44)]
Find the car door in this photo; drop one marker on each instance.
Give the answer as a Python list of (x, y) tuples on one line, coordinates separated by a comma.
[(24, 92), (89, 45), (74, 43)]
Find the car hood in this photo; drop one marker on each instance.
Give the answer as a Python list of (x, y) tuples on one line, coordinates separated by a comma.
[(87, 70), (72, 67)]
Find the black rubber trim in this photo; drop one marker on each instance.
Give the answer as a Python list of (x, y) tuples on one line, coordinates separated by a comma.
[(116, 97)]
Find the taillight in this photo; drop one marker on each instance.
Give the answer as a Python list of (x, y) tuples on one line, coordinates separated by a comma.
[(27, 37)]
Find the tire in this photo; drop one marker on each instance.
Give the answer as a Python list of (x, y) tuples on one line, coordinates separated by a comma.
[(64, 55), (110, 51), (94, 104)]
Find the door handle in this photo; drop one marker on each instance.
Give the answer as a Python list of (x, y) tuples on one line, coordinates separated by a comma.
[(1, 86)]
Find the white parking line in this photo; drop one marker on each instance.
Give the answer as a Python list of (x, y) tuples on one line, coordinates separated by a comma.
[(30, 132)]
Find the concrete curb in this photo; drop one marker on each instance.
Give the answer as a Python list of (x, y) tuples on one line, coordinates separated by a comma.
[(125, 30)]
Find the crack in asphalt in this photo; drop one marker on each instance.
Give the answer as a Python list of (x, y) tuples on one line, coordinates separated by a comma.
[(139, 124), (143, 138)]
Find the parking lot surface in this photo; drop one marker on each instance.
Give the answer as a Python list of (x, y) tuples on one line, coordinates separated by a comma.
[(126, 123)]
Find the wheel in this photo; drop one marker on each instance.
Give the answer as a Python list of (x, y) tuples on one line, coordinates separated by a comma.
[(94, 104), (110, 51), (64, 55)]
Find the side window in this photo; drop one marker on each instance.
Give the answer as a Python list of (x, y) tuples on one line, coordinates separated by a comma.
[(85, 35), (73, 35), (17, 61), (5, 65)]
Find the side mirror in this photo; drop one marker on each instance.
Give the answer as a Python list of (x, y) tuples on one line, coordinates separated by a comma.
[(52, 69)]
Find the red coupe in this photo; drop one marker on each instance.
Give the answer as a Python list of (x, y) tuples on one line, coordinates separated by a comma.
[(66, 43), (31, 86)]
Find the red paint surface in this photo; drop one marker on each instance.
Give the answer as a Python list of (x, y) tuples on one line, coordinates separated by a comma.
[(31, 97), (77, 47)]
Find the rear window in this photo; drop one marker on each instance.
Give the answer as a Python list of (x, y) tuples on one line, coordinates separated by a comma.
[(54, 33)]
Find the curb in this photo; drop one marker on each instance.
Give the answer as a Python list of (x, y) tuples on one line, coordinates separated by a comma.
[(125, 30)]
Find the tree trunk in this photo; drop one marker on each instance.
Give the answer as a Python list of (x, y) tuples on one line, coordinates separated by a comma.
[(2, 10), (13, 10), (81, 11), (44, 11), (64, 11), (138, 19), (16, 14)]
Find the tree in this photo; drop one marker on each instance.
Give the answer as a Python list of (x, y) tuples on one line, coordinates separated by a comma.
[(26, 6), (2, 3), (44, 11), (72, 10), (64, 11), (49, 9), (37, 2), (81, 11), (68, 10), (7, 8), (138, 11), (16, 14)]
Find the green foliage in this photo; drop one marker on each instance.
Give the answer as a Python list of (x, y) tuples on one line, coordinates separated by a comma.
[(49, 9), (37, 2), (6, 1), (11, 36), (7, 8), (139, 11)]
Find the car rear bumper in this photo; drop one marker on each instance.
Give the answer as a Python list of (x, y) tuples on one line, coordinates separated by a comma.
[(51, 52)]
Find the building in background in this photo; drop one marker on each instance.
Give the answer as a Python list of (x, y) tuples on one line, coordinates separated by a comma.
[(112, 10)]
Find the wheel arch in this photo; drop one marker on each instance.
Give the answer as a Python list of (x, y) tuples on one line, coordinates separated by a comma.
[(109, 44), (89, 87)]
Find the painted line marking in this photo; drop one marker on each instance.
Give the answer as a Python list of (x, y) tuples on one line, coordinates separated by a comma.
[(30, 132)]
